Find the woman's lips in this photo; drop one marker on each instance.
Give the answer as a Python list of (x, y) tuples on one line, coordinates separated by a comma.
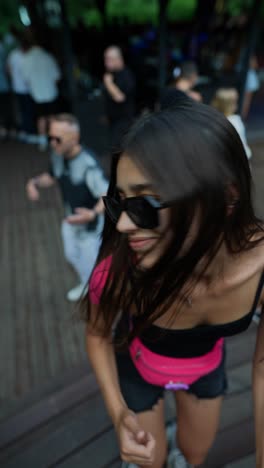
[(138, 244)]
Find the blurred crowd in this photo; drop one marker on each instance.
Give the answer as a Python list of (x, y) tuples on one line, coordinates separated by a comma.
[(32, 111), (29, 77)]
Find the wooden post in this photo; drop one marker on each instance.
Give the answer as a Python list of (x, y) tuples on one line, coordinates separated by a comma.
[(251, 44), (68, 56), (162, 44), (101, 5), (36, 14)]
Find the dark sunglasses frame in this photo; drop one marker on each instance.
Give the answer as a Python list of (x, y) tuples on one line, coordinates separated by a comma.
[(54, 138), (147, 218)]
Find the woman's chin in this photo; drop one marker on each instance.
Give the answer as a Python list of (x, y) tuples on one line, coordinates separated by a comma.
[(147, 261)]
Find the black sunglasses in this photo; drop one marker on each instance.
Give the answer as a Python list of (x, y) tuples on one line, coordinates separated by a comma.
[(143, 211), (57, 140)]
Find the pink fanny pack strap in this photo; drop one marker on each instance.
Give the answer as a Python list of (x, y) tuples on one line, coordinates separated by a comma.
[(173, 373)]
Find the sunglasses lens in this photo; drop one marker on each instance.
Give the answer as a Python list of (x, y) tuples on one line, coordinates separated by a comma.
[(142, 213), (139, 210), (112, 208)]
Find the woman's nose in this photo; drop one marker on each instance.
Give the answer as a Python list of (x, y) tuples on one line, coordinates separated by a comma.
[(125, 224)]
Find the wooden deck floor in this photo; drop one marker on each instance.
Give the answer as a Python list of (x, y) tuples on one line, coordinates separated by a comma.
[(51, 412), (38, 336), (67, 426)]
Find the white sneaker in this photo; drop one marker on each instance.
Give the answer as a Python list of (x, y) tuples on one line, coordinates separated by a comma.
[(77, 293), (177, 460), (175, 457), (171, 430)]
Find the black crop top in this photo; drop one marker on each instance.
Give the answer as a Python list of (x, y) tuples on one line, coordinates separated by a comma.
[(195, 341)]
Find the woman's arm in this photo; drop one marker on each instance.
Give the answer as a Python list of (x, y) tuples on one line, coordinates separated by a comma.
[(258, 392), (102, 359), (136, 445)]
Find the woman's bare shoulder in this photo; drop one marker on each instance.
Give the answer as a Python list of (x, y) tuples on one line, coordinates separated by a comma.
[(257, 251), (250, 261)]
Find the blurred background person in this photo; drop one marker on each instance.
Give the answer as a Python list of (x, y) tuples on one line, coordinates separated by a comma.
[(119, 93), (5, 96), (185, 78), (20, 88), (252, 86), (42, 74), (226, 101), (82, 183)]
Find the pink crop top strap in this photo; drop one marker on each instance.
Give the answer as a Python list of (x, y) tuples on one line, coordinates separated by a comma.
[(98, 279)]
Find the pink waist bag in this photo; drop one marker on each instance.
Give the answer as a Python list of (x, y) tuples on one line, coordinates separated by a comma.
[(173, 373)]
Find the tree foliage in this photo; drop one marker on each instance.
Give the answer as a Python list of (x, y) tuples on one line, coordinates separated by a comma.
[(9, 14), (235, 7), (134, 11)]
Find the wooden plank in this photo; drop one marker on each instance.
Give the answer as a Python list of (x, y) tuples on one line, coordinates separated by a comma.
[(240, 348), (40, 413), (40, 364), (239, 378), (62, 381), (231, 444), (98, 453), (45, 283), (22, 276), (236, 408), (7, 342), (61, 438)]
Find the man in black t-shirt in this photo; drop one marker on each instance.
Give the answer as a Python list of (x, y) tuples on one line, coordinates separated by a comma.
[(119, 93)]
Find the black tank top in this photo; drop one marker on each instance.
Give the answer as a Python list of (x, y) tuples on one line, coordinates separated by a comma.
[(195, 341)]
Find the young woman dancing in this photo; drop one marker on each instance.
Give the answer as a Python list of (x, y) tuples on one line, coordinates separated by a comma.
[(180, 268)]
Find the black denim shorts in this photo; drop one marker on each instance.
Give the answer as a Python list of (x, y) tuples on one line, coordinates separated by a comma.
[(142, 396)]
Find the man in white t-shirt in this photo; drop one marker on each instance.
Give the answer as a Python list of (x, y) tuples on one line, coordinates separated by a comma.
[(20, 89), (42, 74)]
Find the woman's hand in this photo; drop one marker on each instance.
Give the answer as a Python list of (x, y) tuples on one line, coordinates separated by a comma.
[(136, 445)]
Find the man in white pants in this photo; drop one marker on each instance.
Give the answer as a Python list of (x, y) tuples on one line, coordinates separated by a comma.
[(82, 184)]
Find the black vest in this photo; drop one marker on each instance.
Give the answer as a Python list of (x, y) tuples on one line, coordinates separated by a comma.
[(76, 195)]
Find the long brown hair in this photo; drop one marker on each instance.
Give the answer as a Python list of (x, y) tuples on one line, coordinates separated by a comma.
[(193, 155)]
